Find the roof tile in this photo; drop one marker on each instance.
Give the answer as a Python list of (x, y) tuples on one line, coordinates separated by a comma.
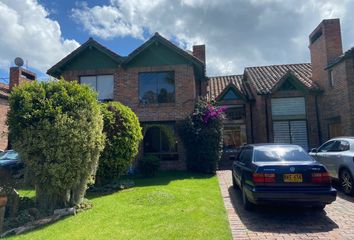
[(264, 78), (216, 85)]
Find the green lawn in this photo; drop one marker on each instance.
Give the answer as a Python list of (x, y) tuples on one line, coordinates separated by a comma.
[(174, 205)]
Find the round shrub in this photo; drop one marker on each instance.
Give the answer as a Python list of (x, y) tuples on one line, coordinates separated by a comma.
[(123, 135), (202, 136), (149, 165), (56, 126)]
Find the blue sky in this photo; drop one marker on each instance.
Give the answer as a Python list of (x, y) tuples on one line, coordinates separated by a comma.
[(237, 33), (60, 11)]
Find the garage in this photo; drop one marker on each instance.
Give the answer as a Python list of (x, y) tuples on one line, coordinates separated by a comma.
[(289, 121)]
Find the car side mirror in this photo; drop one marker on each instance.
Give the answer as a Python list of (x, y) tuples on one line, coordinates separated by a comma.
[(314, 150)]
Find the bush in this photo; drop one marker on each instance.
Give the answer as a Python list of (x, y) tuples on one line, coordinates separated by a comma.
[(202, 135), (149, 165), (56, 127), (123, 135)]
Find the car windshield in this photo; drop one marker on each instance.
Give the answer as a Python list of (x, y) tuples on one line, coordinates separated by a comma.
[(276, 153), (9, 155)]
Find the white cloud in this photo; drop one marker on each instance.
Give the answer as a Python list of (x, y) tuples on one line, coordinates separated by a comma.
[(28, 32), (237, 33)]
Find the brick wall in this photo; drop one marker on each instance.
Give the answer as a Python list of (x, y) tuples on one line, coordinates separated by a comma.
[(260, 115), (324, 49), (126, 91), (350, 81), (19, 75), (335, 102), (3, 127)]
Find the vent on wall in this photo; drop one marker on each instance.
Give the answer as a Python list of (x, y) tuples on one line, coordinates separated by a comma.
[(316, 36)]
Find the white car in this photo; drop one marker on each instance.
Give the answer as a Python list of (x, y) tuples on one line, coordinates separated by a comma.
[(337, 155)]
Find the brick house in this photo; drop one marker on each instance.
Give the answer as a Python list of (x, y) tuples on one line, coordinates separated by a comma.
[(304, 103), (17, 76), (158, 81), (4, 106)]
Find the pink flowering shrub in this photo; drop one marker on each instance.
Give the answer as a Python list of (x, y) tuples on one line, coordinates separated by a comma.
[(202, 135)]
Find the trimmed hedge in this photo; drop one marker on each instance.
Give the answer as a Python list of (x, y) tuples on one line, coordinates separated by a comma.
[(123, 135), (56, 127)]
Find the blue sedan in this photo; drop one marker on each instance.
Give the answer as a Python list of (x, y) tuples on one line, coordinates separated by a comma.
[(285, 174)]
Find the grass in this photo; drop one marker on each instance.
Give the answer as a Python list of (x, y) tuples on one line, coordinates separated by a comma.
[(173, 205)]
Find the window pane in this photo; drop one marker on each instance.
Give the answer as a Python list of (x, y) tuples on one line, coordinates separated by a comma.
[(230, 95), (166, 87), (280, 153), (168, 141), (152, 140), (327, 146), (156, 87), (160, 138), (89, 80), (147, 88), (105, 87)]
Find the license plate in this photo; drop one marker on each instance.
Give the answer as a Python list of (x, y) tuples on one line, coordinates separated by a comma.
[(293, 177)]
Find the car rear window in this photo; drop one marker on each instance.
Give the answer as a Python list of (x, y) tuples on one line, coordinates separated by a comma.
[(11, 155), (275, 153)]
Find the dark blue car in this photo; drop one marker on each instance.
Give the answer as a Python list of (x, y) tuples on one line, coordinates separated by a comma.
[(285, 174)]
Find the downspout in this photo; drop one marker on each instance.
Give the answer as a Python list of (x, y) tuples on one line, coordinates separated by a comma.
[(318, 121), (266, 113), (251, 116)]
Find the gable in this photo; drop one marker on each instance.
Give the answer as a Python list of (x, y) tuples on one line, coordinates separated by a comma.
[(291, 84), (157, 54), (230, 94), (90, 58)]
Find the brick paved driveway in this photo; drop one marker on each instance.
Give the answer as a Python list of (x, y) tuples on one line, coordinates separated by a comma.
[(335, 222)]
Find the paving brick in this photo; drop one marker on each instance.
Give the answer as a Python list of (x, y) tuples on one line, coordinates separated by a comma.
[(272, 222)]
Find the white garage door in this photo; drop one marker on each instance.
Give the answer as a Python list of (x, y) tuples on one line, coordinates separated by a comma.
[(289, 124), (294, 132)]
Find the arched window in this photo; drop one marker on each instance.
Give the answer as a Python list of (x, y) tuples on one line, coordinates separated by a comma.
[(160, 140)]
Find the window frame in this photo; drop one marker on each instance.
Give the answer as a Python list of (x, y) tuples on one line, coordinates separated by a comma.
[(157, 88), (331, 78), (160, 154), (96, 84)]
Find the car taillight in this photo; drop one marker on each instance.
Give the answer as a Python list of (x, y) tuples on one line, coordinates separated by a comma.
[(263, 178), (323, 177)]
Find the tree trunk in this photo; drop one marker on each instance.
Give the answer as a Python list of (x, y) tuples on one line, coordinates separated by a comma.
[(78, 192), (48, 200)]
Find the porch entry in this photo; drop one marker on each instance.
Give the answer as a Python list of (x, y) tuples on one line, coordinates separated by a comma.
[(234, 135), (289, 121)]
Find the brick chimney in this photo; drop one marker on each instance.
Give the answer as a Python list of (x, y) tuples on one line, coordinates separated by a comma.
[(199, 52), (19, 75), (325, 46)]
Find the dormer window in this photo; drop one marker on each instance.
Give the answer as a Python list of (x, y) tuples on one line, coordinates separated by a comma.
[(102, 84)]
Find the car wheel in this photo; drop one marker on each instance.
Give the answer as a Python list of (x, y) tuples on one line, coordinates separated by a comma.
[(234, 183), (346, 182), (319, 207), (246, 203)]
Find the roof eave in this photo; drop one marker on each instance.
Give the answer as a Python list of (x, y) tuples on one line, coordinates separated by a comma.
[(55, 70)]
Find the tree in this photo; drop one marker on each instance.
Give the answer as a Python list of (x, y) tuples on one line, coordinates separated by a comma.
[(123, 135), (56, 127), (202, 135)]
